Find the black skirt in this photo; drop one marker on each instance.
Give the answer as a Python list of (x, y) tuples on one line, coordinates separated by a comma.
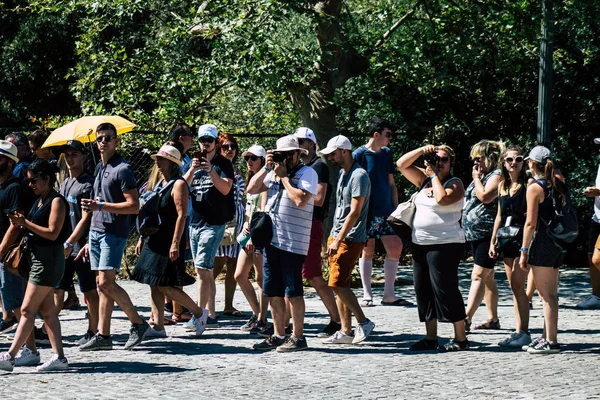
[(155, 268)]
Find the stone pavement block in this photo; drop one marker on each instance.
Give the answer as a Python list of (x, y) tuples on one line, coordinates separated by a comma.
[(222, 364)]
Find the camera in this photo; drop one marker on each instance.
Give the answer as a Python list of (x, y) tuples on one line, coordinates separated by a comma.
[(431, 158), (278, 157)]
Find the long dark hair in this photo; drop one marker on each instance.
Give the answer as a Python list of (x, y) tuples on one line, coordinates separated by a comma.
[(521, 180), (44, 169)]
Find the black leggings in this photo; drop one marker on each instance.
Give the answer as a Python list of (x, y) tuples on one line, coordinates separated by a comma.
[(436, 282)]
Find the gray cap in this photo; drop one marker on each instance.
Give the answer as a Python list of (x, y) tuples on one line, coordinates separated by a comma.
[(539, 154)]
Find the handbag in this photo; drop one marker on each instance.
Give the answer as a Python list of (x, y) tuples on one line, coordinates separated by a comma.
[(401, 219), (261, 224), (16, 259), (507, 235)]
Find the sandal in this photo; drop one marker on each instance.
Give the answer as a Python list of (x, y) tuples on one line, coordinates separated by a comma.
[(366, 303), (489, 324), (184, 317), (234, 313), (454, 345), (424, 345)]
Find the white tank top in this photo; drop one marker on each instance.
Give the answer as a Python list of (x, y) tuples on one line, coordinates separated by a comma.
[(436, 224)]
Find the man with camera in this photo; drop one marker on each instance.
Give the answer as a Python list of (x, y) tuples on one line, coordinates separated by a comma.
[(210, 178), (376, 158), (291, 187)]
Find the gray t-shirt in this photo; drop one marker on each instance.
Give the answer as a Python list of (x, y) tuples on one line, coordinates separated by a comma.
[(111, 181), (73, 190), (355, 183)]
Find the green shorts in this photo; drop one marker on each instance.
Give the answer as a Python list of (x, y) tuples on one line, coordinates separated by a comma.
[(47, 265)]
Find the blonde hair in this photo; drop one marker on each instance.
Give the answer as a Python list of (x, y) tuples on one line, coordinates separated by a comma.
[(449, 151), (490, 149)]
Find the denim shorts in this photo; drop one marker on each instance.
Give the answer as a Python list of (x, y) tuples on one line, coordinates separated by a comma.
[(282, 272), (106, 251), (204, 243), (12, 289)]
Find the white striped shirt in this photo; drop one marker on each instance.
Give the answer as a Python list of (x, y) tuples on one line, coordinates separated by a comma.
[(291, 224)]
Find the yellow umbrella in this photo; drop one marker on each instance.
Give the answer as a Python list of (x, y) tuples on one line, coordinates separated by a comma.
[(84, 129)]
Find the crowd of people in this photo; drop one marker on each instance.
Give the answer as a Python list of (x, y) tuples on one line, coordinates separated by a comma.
[(213, 215)]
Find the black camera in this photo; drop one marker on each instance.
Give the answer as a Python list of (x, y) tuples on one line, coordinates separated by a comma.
[(278, 157), (431, 158)]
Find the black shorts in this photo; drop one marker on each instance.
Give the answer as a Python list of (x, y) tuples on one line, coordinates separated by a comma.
[(593, 236), (480, 249), (543, 252), (85, 275)]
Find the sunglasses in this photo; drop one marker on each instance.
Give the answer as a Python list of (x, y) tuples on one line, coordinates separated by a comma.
[(388, 135), (206, 139), (229, 147), (252, 157), (106, 138), (302, 141), (516, 159), (31, 181), (288, 153), (477, 159), (444, 159)]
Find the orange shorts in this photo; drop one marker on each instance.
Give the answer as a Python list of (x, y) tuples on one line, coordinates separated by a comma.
[(342, 263)]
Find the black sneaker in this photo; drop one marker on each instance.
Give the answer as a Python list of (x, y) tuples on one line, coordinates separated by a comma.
[(424, 345), (7, 326), (169, 307), (41, 337), (293, 344), (330, 329), (137, 333), (270, 343), (258, 327)]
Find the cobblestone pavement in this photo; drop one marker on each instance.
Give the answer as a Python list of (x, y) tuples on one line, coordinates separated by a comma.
[(222, 364)]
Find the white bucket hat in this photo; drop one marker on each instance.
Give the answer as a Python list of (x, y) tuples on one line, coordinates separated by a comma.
[(289, 143), (337, 142), (169, 152), (257, 150), (9, 150)]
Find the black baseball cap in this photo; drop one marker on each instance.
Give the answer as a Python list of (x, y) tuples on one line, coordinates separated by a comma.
[(72, 144)]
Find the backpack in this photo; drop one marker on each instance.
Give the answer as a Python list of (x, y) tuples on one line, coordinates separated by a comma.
[(148, 221), (563, 228)]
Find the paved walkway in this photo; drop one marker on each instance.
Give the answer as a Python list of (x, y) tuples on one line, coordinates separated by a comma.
[(221, 363)]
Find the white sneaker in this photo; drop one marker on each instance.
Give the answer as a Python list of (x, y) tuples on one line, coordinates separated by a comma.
[(54, 364), (591, 303), (338, 338), (27, 358), (200, 323), (153, 333), (6, 363), (362, 331)]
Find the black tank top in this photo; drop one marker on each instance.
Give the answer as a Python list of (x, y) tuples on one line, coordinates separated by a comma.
[(40, 216), (515, 206)]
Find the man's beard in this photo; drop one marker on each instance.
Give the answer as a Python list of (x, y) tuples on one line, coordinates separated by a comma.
[(3, 168)]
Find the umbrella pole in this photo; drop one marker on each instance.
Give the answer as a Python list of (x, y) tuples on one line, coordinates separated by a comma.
[(91, 147)]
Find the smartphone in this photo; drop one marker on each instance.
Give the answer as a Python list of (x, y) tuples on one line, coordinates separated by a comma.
[(199, 154)]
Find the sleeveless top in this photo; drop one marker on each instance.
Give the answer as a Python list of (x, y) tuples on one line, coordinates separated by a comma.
[(41, 216), (478, 218), (515, 206), (436, 224)]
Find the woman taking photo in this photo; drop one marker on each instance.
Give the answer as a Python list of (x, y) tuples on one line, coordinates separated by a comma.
[(538, 251), (47, 228), (512, 206), (161, 264), (227, 255), (481, 207), (438, 242), (249, 255)]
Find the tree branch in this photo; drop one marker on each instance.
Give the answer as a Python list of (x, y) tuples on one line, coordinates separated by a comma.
[(397, 24)]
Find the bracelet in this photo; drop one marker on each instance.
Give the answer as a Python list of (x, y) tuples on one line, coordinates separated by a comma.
[(212, 168), (433, 176), (267, 169), (99, 205), (524, 249), (69, 245)]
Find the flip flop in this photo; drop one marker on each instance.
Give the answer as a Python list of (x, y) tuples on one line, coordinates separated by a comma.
[(366, 303), (234, 313), (398, 303)]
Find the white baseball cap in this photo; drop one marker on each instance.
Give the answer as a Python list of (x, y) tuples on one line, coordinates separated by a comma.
[(208, 130), (337, 142), (257, 150), (305, 133)]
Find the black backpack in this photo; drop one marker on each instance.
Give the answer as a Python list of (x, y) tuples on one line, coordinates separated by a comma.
[(563, 228), (148, 219)]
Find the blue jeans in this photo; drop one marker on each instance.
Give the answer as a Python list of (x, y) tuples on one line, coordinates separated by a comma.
[(12, 289), (204, 243), (106, 251)]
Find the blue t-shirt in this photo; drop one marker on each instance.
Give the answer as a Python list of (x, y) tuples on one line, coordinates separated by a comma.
[(379, 165)]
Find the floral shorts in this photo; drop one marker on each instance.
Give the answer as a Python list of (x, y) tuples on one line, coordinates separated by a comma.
[(379, 227)]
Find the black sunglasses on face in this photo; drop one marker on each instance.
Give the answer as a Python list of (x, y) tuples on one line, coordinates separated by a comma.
[(106, 138), (388, 134), (302, 141), (516, 159), (206, 139), (444, 159), (477, 159), (252, 157), (31, 181), (229, 147)]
